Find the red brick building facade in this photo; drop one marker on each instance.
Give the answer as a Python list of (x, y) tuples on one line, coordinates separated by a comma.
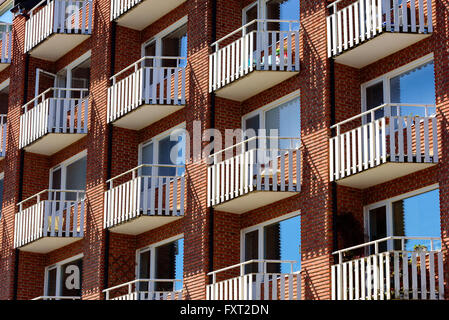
[(79, 119)]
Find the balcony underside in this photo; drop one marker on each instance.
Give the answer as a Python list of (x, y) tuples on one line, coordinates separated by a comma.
[(57, 45), (142, 224), (146, 115), (3, 66), (53, 142), (147, 12), (382, 173), (48, 244), (252, 84), (377, 48), (253, 200)]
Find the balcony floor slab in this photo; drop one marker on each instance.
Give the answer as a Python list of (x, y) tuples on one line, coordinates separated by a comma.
[(252, 84), (3, 66), (253, 200), (377, 48), (382, 173), (57, 45), (53, 142), (147, 12), (145, 115), (48, 244), (142, 224)]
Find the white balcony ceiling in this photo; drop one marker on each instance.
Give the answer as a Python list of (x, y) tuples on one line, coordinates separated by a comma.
[(48, 244), (57, 45), (143, 224), (53, 142)]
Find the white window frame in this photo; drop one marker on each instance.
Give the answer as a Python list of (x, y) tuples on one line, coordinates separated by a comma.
[(58, 266), (158, 38), (63, 166), (385, 79), (388, 203), (260, 228), (155, 141), (152, 249)]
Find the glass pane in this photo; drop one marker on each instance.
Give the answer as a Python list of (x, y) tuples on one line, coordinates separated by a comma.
[(144, 269), (81, 78), (252, 126), (165, 147), (7, 15), (1, 196), (150, 51), (175, 45), (416, 86), (55, 184), (4, 96), (251, 250), (417, 216), (169, 264), (71, 278), (249, 15), (51, 282), (378, 226), (282, 10), (375, 98), (147, 158), (76, 177), (282, 241), (285, 120)]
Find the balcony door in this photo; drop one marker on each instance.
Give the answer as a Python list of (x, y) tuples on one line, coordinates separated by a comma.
[(64, 279), (271, 10), (278, 239), (164, 261)]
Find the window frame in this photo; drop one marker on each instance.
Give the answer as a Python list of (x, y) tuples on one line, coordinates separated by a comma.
[(261, 10), (7, 6), (2, 177), (152, 249), (386, 77), (260, 239), (388, 203), (58, 266)]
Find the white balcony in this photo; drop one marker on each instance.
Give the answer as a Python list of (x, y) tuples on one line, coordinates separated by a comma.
[(5, 45), (263, 285), (259, 59), (144, 198), (368, 30), (250, 177), (138, 14), (49, 220), (44, 298), (392, 274), (3, 126), (55, 27), (146, 92), (146, 289), (366, 151), (54, 120)]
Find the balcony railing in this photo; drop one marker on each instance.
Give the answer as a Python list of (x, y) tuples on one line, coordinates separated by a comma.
[(3, 126), (396, 135), (262, 285), (145, 289), (55, 213), (126, 14), (391, 274), (254, 165), (56, 298), (145, 191), (51, 17), (363, 20), (6, 44), (56, 110), (161, 89), (257, 48)]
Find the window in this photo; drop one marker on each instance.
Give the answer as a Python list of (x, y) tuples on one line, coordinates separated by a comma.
[(69, 175), (167, 148), (278, 239), (416, 214), (413, 84), (4, 96), (172, 42), (64, 278), (2, 175), (6, 15), (161, 261), (283, 116), (273, 10)]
